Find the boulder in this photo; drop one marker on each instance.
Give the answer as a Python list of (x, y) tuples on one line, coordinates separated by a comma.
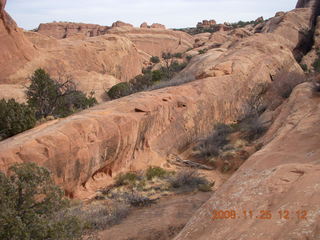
[(144, 25), (121, 24), (158, 25)]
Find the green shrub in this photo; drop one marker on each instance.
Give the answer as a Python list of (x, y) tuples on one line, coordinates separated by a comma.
[(167, 55), (153, 172), (30, 203), (316, 65), (50, 97), (203, 51), (157, 75), (177, 55), (155, 59), (304, 67), (15, 118), (120, 90), (189, 57), (126, 179)]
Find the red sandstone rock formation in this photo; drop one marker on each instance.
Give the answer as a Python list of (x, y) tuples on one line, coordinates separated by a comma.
[(158, 25), (206, 24), (121, 24), (63, 30), (140, 130), (144, 25)]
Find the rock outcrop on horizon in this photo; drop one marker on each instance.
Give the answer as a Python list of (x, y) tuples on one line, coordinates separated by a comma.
[(96, 57), (206, 24), (155, 41), (62, 30)]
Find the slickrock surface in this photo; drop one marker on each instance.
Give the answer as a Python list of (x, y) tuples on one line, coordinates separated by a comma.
[(15, 49), (282, 176), (94, 63), (156, 41), (140, 130)]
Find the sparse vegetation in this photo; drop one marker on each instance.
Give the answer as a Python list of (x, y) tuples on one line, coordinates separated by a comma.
[(120, 90), (57, 98), (212, 145), (304, 67), (149, 78), (15, 118), (129, 178), (188, 179), (98, 216), (203, 51), (153, 172), (155, 59), (316, 63), (30, 203)]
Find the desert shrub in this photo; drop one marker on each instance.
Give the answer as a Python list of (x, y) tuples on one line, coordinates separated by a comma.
[(58, 98), (177, 67), (153, 172), (158, 75), (212, 145), (189, 57), (304, 67), (187, 179), (120, 90), (98, 216), (252, 128), (256, 102), (316, 63), (167, 55), (203, 51), (177, 55), (129, 178), (155, 59), (15, 118), (137, 200), (29, 202)]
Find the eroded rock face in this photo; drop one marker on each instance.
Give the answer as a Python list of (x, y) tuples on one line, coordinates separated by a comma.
[(158, 25), (282, 176), (63, 30), (121, 24), (15, 49), (142, 129), (155, 41), (206, 24)]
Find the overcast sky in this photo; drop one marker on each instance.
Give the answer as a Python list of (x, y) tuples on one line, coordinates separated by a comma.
[(172, 13)]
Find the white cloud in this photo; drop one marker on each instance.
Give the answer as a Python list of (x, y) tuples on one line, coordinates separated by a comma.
[(172, 13)]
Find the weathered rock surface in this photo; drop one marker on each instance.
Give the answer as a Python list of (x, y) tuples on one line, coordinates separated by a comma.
[(62, 30), (140, 130), (95, 63), (155, 41), (15, 49), (282, 176), (206, 24), (121, 24)]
